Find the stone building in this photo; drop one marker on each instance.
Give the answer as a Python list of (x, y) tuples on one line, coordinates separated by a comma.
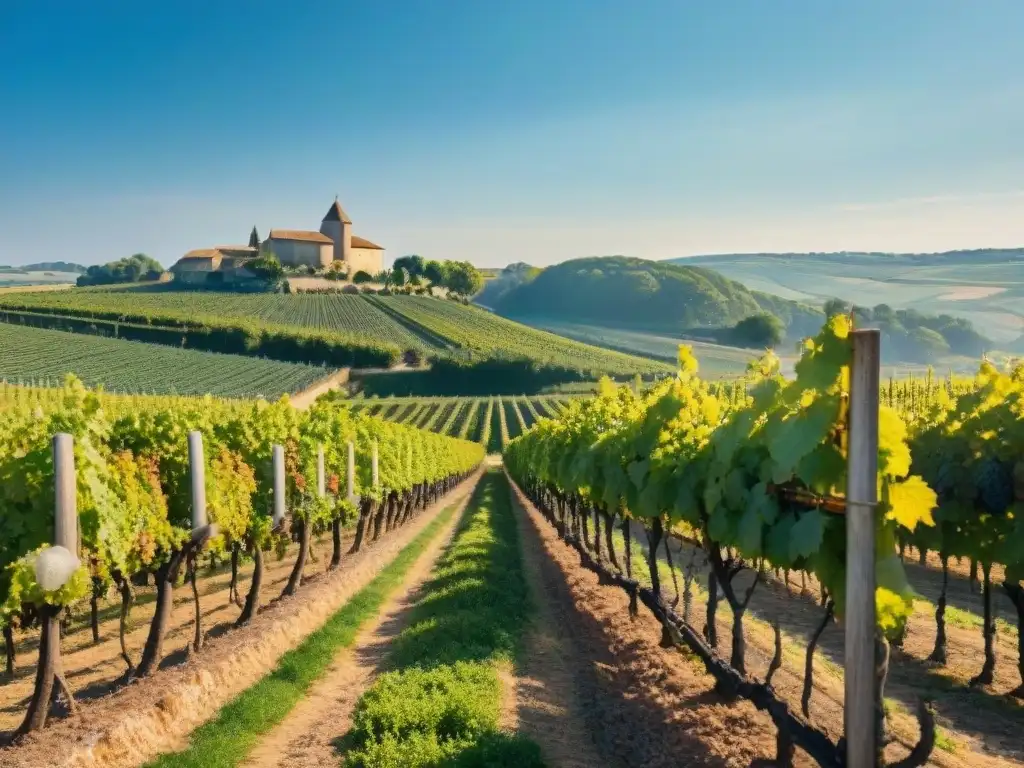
[(334, 243), (357, 253), (299, 248), (224, 264)]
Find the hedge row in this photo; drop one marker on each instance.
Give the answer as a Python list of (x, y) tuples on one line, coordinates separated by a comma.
[(293, 345)]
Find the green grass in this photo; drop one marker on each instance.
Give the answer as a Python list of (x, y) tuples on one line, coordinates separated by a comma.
[(944, 741), (440, 701), (39, 355), (228, 739)]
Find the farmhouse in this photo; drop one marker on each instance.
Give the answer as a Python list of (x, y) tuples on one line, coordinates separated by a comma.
[(333, 243), (224, 264)]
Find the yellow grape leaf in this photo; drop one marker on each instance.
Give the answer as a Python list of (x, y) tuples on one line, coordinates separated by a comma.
[(840, 325), (687, 360), (894, 453), (912, 502)]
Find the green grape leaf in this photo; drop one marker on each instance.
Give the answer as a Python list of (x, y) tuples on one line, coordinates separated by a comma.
[(749, 533), (822, 469), (777, 544), (807, 533), (764, 503), (638, 471), (798, 436)]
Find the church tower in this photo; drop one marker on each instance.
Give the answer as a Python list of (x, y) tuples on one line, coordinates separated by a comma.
[(338, 226)]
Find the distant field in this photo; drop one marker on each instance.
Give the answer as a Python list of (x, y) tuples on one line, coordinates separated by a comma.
[(39, 356), (473, 418), (434, 326), (19, 279), (986, 289)]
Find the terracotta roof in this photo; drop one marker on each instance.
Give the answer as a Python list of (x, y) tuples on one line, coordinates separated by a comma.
[(202, 253), (236, 249), (298, 234), (362, 242), (337, 213)]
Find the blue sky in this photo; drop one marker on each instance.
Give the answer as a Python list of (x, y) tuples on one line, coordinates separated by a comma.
[(537, 130)]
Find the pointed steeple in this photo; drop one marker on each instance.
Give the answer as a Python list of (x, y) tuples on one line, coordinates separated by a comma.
[(337, 213)]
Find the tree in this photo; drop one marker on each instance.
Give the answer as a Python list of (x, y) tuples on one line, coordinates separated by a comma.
[(435, 272), (361, 277), (129, 270), (267, 267), (254, 239), (836, 307), (761, 330), (398, 277), (463, 278), (412, 265)]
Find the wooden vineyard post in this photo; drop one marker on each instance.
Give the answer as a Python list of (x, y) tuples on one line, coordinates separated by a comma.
[(350, 479), (278, 454), (50, 668), (65, 522), (200, 529), (375, 466), (862, 504), (197, 470), (321, 477)]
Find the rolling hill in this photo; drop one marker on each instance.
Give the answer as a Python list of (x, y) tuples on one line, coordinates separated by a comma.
[(616, 291)]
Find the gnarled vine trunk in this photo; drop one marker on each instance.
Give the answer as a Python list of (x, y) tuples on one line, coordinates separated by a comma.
[(94, 609), (335, 544), (124, 588), (198, 637), (609, 530), (49, 673), (152, 652), (234, 595), (710, 628), (987, 674), (938, 653), (805, 698), (295, 578), (252, 599), (367, 509)]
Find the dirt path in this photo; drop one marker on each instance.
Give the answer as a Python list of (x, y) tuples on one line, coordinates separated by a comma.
[(642, 705), (337, 380), (540, 698), (306, 736)]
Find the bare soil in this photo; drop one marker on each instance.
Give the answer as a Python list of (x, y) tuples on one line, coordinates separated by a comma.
[(639, 704), (540, 698), (131, 725), (978, 727), (308, 735)]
